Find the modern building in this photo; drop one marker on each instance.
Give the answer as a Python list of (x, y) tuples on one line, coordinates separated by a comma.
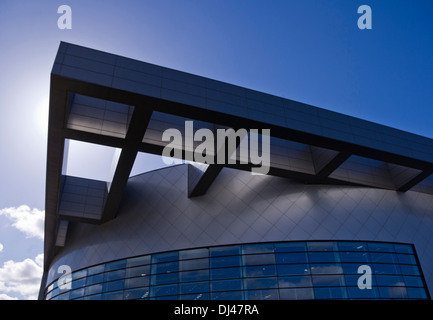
[(345, 211)]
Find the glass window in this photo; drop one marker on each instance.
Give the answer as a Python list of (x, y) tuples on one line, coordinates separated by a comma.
[(264, 294), (380, 247), (357, 293), (409, 270), (258, 259), (137, 282), (226, 285), (330, 293), (194, 264), (225, 273), (403, 248), (413, 281), (260, 271), (78, 293), (360, 257), (164, 278), (97, 288), (227, 261), (196, 296), (315, 257), (198, 275), (166, 290), (297, 294), (193, 254), (328, 280), (141, 293), (114, 275), (322, 246), (225, 251), (260, 283), (383, 257), (258, 248), (294, 282), (416, 293), (291, 257), (352, 246), (165, 257), (78, 283), (389, 280), (385, 268), (79, 274), (393, 292), (293, 269), (291, 247), (137, 271), (326, 268), (194, 287), (166, 267), (406, 259), (98, 278), (137, 261), (95, 270), (229, 295), (115, 265), (113, 295), (112, 285)]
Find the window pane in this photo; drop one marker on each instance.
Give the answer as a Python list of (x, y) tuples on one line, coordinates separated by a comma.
[(330, 293), (137, 261), (357, 293), (137, 271), (164, 278), (258, 248), (294, 282), (167, 290), (291, 247), (383, 257), (196, 296), (137, 282), (328, 280), (96, 269), (412, 281), (382, 268), (409, 270), (406, 259), (167, 267), (95, 279), (114, 275), (258, 259), (326, 268), (113, 285), (142, 293), (97, 288), (113, 295), (360, 257), (115, 265), (225, 273), (352, 246), (193, 254), (260, 283), (322, 246), (323, 257), (416, 293), (259, 271), (293, 269), (297, 294), (194, 264), (393, 292), (198, 275), (228, 261), (229, 295), (225, 251), (165, 257), (380, 247), (195, 287), (291, 257), (266, 294), (226, 285)]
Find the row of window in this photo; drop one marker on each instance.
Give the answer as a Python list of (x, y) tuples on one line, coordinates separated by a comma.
[(281, 268)]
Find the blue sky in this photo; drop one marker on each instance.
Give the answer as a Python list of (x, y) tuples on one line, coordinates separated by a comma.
[(305, 50)]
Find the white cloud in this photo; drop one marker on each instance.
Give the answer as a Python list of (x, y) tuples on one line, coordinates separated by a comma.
[(29, 221), (22, 278)]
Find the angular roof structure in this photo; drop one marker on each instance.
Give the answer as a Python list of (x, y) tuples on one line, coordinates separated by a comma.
[(114, 101)]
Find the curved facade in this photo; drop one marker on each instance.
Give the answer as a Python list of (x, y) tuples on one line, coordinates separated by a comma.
[(327, 181), (280, 239)]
